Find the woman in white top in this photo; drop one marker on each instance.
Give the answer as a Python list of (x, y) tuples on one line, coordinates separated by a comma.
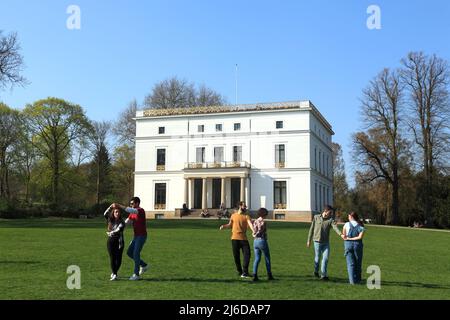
[(353, 233)]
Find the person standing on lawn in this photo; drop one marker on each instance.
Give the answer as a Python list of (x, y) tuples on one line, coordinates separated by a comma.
[(319, 232), (137, 216), (353, 233), (239, 222), (260, 244), (115, 243)]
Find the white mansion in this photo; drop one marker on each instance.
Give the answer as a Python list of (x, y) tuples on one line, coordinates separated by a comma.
[(274, 155)]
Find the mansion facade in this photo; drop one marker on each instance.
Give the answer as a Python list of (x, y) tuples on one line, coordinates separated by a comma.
[(272, 155)]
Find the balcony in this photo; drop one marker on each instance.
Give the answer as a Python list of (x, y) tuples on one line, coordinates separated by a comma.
[(216, 165), (160, 206), (280, 206), (280, 165)]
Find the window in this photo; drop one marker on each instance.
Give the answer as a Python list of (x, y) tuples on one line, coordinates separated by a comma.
[(320, 161), (279, 125), (161, 130), (315, 158), (237, 153), (219, 127), (320, 196), (218, 154), (316, 205), (279, 155), (237, 126), (328, 195), (323, 163), (200, 155), (201, 128), (160, 159), (160, 196), (323, 192), (279, 196), (328, 166)]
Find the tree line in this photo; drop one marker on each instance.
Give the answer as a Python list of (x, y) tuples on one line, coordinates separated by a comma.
[(54, 160), (401, 153)]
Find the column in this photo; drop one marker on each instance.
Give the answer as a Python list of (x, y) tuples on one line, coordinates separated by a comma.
[(222, 192), (204, 205), (242, 189), (186, 191)]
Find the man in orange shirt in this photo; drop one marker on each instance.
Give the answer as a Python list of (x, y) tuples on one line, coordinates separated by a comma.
[(239, 222)]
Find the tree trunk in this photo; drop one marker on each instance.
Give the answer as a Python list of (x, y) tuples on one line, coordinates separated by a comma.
[(2, 174), (55, 179), (395, 200), (98, 187)]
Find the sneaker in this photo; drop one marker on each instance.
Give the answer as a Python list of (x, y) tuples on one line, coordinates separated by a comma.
[(134, 277), (324, 278), (112, 274), (143, 269), (255, 278), (245, 275), (270, 277), (316, 274), (114, 277)]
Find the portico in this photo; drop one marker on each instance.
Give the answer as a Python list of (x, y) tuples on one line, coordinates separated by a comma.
[(206, 186)]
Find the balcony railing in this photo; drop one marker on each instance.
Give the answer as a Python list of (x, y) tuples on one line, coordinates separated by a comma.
[(279, 165), (160, 206), (280, 206), (161, 167), (216, 165)]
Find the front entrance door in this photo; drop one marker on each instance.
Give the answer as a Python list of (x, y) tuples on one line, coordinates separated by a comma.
[(235, 192), (216, 193), (198, 189)]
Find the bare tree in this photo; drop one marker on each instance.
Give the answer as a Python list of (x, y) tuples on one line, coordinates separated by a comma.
[(208, 97), (179, 93), (340, 186), (11, 61), (427, 78), (102, 161), (125, 126), (380, 150)]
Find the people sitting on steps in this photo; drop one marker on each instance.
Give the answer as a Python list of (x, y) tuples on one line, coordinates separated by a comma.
[(205, 213)]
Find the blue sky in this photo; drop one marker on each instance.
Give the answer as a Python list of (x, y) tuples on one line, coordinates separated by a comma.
[(286, 50)]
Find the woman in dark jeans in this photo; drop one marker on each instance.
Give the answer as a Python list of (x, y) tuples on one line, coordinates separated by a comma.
[(116, 242)]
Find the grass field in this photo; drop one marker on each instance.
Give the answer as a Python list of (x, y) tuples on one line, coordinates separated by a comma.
[(192, 259)]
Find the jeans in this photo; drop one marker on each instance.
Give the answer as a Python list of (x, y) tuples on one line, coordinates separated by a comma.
[(354, 254), (321, 249), (261, 246), (115, 250), (134, 252), (237, 245)]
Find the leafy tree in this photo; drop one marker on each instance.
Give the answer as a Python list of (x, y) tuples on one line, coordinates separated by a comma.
[(10, 129), (55, 124)]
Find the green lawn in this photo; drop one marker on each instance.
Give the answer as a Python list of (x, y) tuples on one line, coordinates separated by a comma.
[(192, 259)]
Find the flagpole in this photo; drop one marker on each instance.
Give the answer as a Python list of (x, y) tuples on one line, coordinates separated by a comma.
[(236, 84)]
